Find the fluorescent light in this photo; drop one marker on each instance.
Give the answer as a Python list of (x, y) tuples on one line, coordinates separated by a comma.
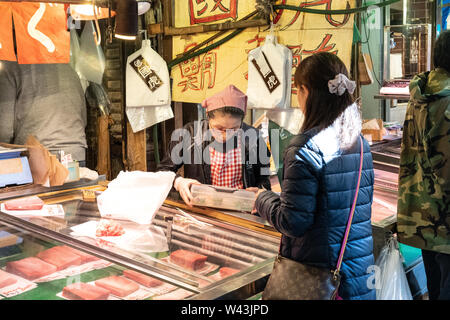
[(126, 20), (123, 37)]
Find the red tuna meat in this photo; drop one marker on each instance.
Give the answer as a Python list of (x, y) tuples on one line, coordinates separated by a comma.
[(188, 259), (119, 286), (60, 258), (85, 291), (226, 272), (85, 257), (30, 268), (28, 203), (6, 279), (142, 278)]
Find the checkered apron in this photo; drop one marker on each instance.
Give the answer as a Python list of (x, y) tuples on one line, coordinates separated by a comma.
[(226, 168)]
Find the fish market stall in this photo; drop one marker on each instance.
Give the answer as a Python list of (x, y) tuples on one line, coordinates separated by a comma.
[(181, 255)]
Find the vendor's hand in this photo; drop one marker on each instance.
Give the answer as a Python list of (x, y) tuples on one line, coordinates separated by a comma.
[(252, 189), (183, 186)]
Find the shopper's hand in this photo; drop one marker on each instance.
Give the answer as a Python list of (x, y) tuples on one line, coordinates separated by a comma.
[(252, 189), (183, 186), (258, 192)]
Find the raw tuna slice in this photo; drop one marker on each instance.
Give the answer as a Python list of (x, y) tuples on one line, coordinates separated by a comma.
[(30, 268), (85, 257), (85, 291), (226, 272), (142, 278), (119, 286), (109, 228), (28, 203), (188, 259), (6, 279), (60, 258)]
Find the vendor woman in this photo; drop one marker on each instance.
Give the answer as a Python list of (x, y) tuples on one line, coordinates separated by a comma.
[(221, 150)]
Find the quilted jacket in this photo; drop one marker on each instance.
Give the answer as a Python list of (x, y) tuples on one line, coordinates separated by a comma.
[(311, 213)]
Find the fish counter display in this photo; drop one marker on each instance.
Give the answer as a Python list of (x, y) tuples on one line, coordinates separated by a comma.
[(76, 254)]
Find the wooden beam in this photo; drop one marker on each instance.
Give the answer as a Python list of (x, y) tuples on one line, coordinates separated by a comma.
[(101, 3), (155, 28), (215, 27)]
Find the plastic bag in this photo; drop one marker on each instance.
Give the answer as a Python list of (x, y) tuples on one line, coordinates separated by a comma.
[(141, 118), (75, 52), (135, 195), (98, 94), (148, 88), (91, 62), (137, 238), (393, 284), (269, 75)]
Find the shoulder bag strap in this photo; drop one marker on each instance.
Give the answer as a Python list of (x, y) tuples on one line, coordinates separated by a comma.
[(352, 212)]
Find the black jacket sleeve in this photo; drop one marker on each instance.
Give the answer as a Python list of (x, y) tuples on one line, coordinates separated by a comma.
[(292, 213)]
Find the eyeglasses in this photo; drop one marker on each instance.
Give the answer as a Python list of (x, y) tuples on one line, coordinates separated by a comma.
[(223, 131)]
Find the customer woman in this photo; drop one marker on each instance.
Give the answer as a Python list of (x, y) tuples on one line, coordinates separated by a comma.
[(221, 150), (321, 168)]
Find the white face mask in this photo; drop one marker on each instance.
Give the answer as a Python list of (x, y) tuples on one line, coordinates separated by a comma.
[(224, 127)]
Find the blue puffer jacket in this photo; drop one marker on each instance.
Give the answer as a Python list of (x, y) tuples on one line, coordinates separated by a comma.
[(312, 211)]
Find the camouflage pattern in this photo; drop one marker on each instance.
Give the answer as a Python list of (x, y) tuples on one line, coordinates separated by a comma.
[(424, 181)]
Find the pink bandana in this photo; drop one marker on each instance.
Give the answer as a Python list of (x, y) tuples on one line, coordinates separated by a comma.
[(229, 97)]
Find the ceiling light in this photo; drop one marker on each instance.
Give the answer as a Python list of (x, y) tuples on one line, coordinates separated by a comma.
[(143, 7), (86, 12), (126, 20)]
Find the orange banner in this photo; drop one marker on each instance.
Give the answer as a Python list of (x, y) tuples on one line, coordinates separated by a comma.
[(6, 34), (41, 33)]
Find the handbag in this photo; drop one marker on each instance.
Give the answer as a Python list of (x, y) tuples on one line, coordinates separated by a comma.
[(292, 280)]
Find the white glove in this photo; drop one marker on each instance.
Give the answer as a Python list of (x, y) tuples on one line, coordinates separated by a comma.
[(183, 186)]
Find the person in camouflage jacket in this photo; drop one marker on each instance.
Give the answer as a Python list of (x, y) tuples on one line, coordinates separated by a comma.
[(423, 209)]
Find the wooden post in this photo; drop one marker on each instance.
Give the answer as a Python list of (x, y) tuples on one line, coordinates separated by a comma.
[(136, 149), (178, 115), (103, 154), (166, 53)]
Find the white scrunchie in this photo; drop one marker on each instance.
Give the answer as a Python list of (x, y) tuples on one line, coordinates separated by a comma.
[(340, 83)]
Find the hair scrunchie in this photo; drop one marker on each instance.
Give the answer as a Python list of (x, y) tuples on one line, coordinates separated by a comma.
[(340, 83)]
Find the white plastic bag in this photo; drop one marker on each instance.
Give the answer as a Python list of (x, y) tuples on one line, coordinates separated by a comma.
[(147, 78), (148, 88), (75, 52), (393, 284), (91, 62), (135, 195), (270, 86)]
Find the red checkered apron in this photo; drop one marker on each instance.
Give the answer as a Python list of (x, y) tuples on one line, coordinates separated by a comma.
[(226, 168)]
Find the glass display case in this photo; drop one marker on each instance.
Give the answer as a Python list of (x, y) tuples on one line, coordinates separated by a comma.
[(407, 50), (220, 260)]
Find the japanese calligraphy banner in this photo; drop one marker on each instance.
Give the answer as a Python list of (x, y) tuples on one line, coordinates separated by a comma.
[(305, 34), (41, 33), (6, 33)]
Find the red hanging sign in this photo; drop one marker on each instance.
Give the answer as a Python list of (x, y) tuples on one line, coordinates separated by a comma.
[(6, 34), (41, 33)]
